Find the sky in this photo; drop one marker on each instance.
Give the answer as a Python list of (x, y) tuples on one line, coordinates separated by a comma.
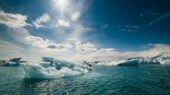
[(84, 28)]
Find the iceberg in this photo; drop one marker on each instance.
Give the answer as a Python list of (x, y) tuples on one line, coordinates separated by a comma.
[(49, 67), (11, 62)]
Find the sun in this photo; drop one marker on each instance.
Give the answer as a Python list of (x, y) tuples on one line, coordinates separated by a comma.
[(62, 4)]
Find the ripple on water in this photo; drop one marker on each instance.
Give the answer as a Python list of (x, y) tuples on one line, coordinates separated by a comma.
[(140, 80)]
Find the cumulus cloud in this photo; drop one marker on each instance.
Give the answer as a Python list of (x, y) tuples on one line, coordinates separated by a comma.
[(155, 49), (13, 20), (85, 47), (162, 48), (63, 23), (46, 44), (74, 38), (106, 51), (108, 55), (59, 46), (38, 22)]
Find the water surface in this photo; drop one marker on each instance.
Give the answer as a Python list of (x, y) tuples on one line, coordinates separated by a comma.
[(103, 80)]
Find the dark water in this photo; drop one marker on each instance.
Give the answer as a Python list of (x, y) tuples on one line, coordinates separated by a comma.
[(104, 80)]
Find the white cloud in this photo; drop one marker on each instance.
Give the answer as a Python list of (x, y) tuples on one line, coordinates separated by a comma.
[(85, 47), (156, 49), (46, 44), (75, 16), (162, 48), (13, 20), (63, 23), (44, 18), (106, 51), (108, 55), (70, 15)]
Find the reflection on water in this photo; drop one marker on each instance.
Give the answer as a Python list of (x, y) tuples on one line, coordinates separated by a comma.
[(35, 86)]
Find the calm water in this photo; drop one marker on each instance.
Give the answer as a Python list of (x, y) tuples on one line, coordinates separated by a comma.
[(104, 80)]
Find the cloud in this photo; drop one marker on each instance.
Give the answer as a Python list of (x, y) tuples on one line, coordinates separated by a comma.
[(105, 26), (13, 20), (59, 46), (159, 18), (76, 33), (38, 22), (38, 46), (10, 49), (63, 23), (75, 44), (128, 28), (106, 51), (163, 48), (18, 34), (85, 47), (46, 44), (68, 25), (148, 45), (107, 55), (75, 16), (155, 49)]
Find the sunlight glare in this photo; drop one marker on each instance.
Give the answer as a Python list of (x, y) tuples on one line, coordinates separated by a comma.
[(61, 3)]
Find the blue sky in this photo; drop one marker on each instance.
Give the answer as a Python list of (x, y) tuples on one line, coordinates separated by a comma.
[(123, 25), (128, 22)]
